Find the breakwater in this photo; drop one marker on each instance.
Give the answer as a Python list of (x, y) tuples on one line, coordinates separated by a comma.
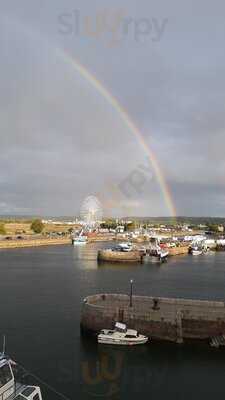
[(13, 244), (160, 318), (135, 255), (175, 251), (119, 256)]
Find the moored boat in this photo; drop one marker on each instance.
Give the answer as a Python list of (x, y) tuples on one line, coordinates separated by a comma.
[(120, 335), (163, 254), (79, 240), (156, 255), (196, 250), (10, 389), (125, 246)]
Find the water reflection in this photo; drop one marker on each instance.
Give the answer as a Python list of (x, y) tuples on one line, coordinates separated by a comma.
[(106, 371), (155, 369), (119, 265), (87, 254)]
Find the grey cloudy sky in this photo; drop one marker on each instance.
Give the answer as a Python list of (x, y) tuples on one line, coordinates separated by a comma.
[(62, 141)]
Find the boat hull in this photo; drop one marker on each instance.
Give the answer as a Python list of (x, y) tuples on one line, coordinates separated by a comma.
[(122, 342), (196, 252), (155, 258)]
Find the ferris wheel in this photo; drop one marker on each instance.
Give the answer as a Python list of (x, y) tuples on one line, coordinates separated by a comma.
[(91, 211)]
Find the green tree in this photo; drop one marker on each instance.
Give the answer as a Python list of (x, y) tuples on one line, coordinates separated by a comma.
[(213, 227), (109, 223), (37, 226), (131, 226), (2, 229)]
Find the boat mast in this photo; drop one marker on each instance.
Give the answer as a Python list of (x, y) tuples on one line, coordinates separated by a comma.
[(4, 345)]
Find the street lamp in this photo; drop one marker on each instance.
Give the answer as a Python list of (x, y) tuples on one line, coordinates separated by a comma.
[(131, 291)]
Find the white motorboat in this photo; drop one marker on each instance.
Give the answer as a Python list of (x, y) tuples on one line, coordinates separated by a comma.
[(121, 336), (10, 389), (198, 247), (125, 246), (79, 240), (196, 250)]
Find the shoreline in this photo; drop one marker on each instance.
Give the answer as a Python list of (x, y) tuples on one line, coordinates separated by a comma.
[(14, 244)]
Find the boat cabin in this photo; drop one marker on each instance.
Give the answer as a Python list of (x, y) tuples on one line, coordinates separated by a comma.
[(12, 390), (7, 383), (119, 327), (122, 328), (123, 247), (29, 393)]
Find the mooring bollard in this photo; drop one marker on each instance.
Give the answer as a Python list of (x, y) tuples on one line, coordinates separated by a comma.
[(131, 292)]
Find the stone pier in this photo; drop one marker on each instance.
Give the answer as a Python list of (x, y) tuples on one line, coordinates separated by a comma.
[(159, 318)]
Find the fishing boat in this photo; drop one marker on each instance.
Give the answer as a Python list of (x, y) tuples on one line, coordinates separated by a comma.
[(155, 255), (80, 239), (120, 335), (10, 389), (163, 254)]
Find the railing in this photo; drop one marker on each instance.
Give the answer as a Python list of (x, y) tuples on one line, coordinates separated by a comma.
[(17, 388)]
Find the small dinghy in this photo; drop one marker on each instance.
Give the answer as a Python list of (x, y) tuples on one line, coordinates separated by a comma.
[(120, 335)]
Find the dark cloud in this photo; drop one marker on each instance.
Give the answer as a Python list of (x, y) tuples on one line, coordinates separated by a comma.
[(60, 139)]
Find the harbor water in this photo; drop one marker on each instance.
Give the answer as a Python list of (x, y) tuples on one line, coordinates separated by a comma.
[(41, 293)]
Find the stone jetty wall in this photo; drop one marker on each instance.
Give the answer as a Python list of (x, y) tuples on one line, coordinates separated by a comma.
[(159, 318), (13, 244), (119, 256), (175, 251)]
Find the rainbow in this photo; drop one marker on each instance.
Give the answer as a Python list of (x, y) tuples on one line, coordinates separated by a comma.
[(85, 73), (94, 82)]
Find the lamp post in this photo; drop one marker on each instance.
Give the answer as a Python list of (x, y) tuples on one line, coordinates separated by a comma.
[(131, 292)]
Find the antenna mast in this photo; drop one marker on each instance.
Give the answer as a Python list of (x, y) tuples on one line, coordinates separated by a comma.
[(4, 345)]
